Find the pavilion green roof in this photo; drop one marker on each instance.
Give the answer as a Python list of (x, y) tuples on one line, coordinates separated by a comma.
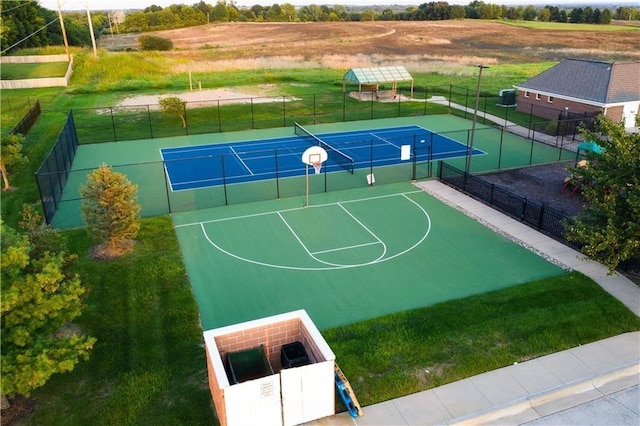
[(377, 75)]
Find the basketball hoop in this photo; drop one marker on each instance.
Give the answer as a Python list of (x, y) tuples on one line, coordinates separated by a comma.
[(313, 156), (317, 167)]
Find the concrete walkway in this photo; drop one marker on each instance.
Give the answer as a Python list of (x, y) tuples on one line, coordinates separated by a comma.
[(534, 389), (556, 141)]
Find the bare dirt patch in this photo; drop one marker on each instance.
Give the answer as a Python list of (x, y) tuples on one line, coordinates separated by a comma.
[(195, 97), (418, 45), (541, 184)]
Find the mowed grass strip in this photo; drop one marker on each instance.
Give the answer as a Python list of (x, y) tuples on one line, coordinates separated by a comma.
[(404, 353), (148, 365), (37, 70)]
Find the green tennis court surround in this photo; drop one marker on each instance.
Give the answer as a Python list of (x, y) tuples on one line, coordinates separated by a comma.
[(141, 162)]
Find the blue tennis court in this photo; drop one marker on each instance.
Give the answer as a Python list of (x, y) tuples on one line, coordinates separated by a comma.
[(202, 166)]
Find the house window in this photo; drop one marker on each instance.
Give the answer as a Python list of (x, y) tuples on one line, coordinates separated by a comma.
[(526, 94), (538, 96), (550, 99)]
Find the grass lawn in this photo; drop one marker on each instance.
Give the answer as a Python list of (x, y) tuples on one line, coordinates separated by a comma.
[(39, 70), (148, 365), (412, 351)]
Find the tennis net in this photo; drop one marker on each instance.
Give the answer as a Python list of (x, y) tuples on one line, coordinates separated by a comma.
[(335, 155)]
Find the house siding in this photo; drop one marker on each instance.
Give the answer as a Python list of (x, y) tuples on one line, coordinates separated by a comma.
[(543, 108), (615, 113)]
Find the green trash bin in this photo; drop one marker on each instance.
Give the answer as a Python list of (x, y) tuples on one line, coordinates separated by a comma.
[(249, 364)]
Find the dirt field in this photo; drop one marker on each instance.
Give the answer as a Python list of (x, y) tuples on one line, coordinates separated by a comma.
[(422, 46)]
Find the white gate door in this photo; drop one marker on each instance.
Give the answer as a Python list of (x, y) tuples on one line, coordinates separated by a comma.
[(256, 402), (307, 393), (629, 113)]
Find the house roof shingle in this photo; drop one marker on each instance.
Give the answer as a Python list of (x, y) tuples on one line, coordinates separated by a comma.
[(591, 81)]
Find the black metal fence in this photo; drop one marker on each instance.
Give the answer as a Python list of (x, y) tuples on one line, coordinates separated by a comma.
[(52, 175), (28, 120), (275, 178), (118, 123), (536, 215)]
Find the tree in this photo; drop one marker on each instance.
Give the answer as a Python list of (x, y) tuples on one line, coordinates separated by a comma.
[(609, 228), (40, 298), (529, 13), (10, 155), (220, 12), (149, 42), (544, 15), (110, 210), (175, 106)]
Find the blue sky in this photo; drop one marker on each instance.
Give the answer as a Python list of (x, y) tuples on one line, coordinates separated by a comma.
[(141, 4)]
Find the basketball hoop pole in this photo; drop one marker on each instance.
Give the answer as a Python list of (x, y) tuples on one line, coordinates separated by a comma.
[(313, 156), (306, 176)]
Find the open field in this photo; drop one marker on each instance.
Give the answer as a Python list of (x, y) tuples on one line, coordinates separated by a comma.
[(420, 46)]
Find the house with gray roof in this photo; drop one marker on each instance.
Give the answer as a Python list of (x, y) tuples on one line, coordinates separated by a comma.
[(576, 87)]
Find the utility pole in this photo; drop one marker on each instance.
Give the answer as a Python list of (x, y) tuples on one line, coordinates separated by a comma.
[(475, 117), (93, 37), (64, 33)]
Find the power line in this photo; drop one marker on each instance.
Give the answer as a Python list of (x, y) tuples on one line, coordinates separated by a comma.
[(30, 35), (20, 5)]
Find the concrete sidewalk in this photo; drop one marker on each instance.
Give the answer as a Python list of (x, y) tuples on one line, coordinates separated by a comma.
[(567, 143), (533, 389)]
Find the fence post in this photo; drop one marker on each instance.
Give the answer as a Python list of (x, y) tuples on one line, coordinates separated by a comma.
[(484, 112), (426, 96), (44, 210), (371, 108), (344, 106), (253, 126), (541, 217), (186, 122), (399, 101), (493, 187), (166, 184), (113, 125), (284, 111), (413, 173), (500, 150), (530, 120), (275, 157), (533, 140), (506, 116), (219, 119), (149, 118), (466, 103), (224, 181), (524, 209), (314, 109)]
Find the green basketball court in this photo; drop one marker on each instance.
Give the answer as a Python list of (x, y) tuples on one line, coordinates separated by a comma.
[(351, 255)]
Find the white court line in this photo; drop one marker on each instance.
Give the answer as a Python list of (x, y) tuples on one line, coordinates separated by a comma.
[(340, 265), (346, 248), (240, 159), (384, 246), (325, 268), (384, 140), (223, 219)]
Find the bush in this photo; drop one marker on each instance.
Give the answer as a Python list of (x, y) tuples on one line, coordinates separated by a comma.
[(148, 42)]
